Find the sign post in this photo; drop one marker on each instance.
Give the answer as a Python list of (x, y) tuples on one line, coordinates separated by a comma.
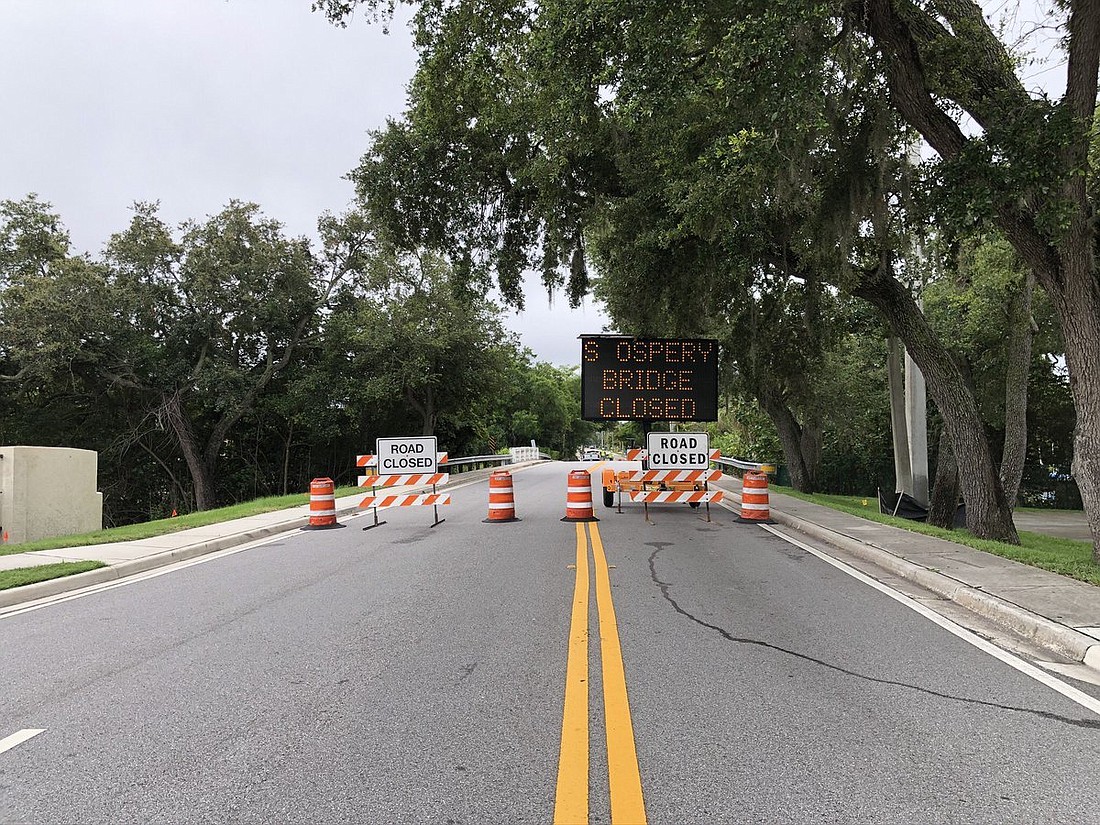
[(397, 456), (404, 461), (679, 451)]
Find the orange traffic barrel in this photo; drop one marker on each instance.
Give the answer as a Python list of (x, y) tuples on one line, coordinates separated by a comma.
[(754, 498), (322, 505), (578, 497), (502, 504)]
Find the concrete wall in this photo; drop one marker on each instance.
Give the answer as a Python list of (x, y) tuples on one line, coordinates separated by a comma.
[(47, 492)]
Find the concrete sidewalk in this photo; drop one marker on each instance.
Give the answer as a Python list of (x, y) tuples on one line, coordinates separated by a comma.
[(1052, 610), (127, 558)]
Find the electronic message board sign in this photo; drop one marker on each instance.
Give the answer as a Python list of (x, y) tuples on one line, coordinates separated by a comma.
[(648, 379)]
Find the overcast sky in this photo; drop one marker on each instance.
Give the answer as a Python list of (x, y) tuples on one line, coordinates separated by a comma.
[(195, 102)]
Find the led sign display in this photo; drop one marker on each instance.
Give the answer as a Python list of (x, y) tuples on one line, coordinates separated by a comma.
[(648, 379)]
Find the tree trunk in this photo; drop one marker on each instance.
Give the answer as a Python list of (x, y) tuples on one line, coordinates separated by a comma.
[(811, 449), (1016, 375), (1078, 309), (790, 438), (425, 409), (1065, 267), (987, 513), (286, 454), (202, 476), (945, 491)]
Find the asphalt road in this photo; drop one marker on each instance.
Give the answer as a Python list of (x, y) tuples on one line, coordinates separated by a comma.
[(417, 674)]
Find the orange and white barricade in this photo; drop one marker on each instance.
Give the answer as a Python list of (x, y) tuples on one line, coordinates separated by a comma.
[(502, 502), (371, 460), (641, 454), (677, 496), (754, 499), (374, 481), (322, 505), (578, 497), (407, 500), (646, 479)]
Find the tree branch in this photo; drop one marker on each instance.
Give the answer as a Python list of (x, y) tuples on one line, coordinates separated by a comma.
[(906, 78)]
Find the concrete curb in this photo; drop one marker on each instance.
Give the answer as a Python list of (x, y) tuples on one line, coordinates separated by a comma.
[(53, 587), (1039, 629)]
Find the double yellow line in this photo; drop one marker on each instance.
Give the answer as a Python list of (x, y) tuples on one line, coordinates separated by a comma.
[(624, 778)]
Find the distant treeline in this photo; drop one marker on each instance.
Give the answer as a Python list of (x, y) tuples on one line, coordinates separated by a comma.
[(222, 360)]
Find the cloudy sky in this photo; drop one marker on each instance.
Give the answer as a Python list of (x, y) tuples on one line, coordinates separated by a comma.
[(195, 102)]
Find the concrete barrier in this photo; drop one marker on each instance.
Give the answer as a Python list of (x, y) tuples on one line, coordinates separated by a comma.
[(47, 492)]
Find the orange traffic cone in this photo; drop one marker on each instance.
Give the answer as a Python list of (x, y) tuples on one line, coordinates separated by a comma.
[(322, 505), (578, 497), (754, 499), (502, 504)]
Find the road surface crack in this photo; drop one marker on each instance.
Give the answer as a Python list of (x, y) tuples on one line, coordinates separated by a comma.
[(664, 587)]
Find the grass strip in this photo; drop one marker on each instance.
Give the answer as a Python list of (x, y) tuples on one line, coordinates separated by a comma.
[(45, 572), (1068, 557), (149, 529)]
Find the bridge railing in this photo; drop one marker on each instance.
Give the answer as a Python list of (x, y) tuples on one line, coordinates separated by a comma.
[(744, 466), (478, 462)]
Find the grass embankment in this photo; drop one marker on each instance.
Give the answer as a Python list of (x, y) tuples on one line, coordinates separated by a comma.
[(44, 572), (1066, 556), (149, 529)]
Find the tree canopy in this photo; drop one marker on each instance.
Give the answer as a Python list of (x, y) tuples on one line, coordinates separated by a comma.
[(221, 359)]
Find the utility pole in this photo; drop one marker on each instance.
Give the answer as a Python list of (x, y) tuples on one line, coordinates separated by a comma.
[(895, 374), (916, 419), (915, 442)]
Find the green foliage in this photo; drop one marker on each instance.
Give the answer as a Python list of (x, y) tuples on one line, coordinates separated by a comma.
[(44, 572), (1065, 556), (263, 361), (744, 431)]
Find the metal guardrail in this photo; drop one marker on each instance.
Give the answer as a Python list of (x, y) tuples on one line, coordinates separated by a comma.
[(476, 462), (746, 465)]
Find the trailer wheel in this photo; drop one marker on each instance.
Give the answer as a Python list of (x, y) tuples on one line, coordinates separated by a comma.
[(608, 497)]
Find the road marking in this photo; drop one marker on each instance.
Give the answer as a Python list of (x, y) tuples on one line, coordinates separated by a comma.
[(571, 800), (1028, 669), (92, 589), (624, 776), (61, 598), (9, 742)]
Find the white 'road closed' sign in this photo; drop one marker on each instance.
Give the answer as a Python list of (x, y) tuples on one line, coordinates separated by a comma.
[(678, 451), (397, 456)]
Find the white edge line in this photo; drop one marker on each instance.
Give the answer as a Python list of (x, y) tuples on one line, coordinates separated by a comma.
[(1070, 692), (60, 598), (9, 742), (90, 590)]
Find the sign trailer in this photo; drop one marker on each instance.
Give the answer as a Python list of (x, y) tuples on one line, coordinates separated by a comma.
[(647, 380)]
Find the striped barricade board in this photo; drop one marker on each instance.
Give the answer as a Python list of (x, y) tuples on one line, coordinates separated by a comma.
[(372, 460), (670, 476), (424, 500), (677, 497), (411, 480), (643, 455)]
